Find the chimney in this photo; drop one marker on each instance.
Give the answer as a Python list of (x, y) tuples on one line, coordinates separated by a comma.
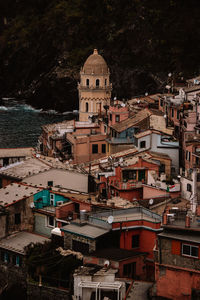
[(187, 221), (164, 219)]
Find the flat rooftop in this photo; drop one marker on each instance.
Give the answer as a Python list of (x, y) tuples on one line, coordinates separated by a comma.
[(24, 168), (16, 152), (129, 214), (87, 230)]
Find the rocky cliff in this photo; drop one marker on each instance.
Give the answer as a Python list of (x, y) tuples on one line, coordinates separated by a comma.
[(43, 44)]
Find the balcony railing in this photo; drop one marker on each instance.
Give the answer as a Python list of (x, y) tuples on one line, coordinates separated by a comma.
[(127, 185)]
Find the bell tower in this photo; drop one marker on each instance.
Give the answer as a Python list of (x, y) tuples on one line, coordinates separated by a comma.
[(94, 87)]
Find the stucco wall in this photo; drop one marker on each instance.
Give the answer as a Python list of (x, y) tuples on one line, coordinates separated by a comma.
[(41, 225), (172, 152), (177, 260)]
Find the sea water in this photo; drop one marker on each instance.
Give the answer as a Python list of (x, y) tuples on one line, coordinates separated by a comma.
[(20, 123)]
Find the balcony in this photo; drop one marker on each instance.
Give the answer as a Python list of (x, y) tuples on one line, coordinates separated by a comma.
[(129, 185)]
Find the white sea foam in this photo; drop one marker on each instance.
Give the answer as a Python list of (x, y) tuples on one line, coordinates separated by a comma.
[(3, 108)]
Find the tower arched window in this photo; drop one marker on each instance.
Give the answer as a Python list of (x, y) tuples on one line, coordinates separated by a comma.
[(97, 82), (87, 82), (86, 106)]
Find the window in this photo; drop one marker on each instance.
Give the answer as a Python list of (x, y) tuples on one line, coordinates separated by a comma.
[(105, 82), (129, 174), (50, 221), (197, 160), (189, 187), (142, 144), (117, 118), (87, 82), (198, 177), (141, 175), (95, 148), (103, 148), (162, 168), (188, 155), (190, 250), (52, 198), (161, 102), (50, 183), (135, 241), (97, 82), (18, 261), (86, 106), (6, 257), (129, 270), (17, 219), (177, 114), (110, 117), (172, 112)]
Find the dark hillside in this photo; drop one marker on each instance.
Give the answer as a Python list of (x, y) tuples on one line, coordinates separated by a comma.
[(44, 43)]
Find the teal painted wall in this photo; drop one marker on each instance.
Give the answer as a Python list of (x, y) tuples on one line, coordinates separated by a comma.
[(42, 199)]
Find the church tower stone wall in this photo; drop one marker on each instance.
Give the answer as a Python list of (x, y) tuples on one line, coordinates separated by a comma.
[(94, 87)]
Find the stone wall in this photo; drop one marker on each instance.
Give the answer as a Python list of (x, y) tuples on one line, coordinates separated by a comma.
[(68, 238), (176, 260)]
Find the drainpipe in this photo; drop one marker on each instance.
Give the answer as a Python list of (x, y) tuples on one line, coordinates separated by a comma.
[(194, 190)]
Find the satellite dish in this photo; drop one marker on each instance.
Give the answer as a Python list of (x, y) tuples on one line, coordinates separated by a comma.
[(110, 219), (32, 205), (106, 263), (151, 201)]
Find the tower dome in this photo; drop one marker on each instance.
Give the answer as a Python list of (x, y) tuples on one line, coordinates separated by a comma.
[(95, 64), (94, 87)]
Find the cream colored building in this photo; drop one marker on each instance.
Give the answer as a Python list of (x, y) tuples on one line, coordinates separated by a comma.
[(94, 87)]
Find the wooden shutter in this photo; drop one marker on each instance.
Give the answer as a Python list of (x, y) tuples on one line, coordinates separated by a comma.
[(176, 247)]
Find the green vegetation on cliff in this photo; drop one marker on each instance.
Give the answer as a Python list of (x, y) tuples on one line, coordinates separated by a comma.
[(44, 43)]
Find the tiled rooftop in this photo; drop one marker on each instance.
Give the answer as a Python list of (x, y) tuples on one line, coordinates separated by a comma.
[(15, 192), (16, 242)]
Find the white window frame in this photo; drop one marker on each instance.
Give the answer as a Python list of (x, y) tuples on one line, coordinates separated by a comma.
[(47, 222), (189, 255), (52, 199)]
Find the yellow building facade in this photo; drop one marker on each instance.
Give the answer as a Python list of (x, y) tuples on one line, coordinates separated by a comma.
[(94, 87)]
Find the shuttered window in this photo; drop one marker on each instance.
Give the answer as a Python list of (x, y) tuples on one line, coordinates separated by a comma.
[(176, 247)]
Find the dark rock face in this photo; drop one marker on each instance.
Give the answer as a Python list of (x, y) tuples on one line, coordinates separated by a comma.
[(44, 43)]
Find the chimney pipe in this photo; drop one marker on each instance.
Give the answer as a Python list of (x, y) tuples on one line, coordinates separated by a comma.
[(164, 219), (187, 221)]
